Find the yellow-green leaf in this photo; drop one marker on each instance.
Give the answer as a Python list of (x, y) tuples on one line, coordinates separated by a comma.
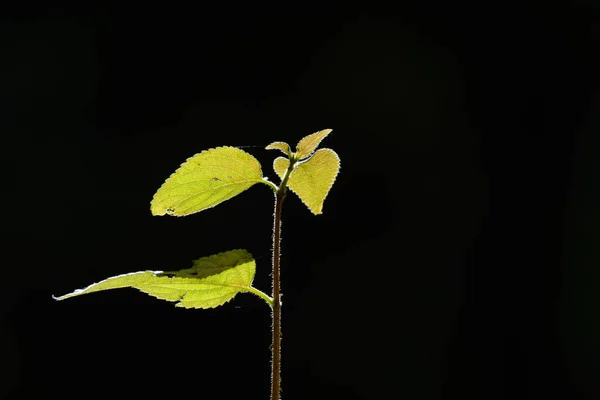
[(211, 282), (312, 179), (205, 180), (283, 146), (280, 165), (308, 144)]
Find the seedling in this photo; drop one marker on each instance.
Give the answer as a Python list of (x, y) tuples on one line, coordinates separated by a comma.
[(208, 179)]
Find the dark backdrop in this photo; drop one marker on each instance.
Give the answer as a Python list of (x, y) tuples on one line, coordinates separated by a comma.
[(457, 256)]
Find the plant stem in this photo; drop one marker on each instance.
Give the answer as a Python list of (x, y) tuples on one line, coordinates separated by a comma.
[(276, 344)]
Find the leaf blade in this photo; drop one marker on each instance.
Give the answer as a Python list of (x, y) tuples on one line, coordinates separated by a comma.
[(280, 165), (308, 144), (312, 179), (206, 180), (210, 282), (283, 146)]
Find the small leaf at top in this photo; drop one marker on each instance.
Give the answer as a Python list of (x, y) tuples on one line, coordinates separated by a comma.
[(283, 146), (308, 144), (205, 180), (211, 282), (312, 179)]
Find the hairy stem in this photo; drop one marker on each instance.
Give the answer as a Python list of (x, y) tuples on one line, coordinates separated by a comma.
[(276, 344)]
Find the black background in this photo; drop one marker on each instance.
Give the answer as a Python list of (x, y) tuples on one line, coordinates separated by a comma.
[(457, 256)]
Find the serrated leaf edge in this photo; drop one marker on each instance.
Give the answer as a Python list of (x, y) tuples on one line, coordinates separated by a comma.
[(261, 180), (301, 156), (241, 289), (304, 161), (281, 146), (330, 185)]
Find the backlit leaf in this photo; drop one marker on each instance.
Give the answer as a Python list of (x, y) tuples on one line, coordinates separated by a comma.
[(308, 144), (205, 180), (210, 282), (312, 179), (280, 165), (283, 146)]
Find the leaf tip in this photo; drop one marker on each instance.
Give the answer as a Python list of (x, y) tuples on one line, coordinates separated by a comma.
[(156, 213), (155, 208)]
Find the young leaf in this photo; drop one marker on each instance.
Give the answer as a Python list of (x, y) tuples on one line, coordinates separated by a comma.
[(205, 180), (311, 179), (283, 146), (211, 282), (308, 144)]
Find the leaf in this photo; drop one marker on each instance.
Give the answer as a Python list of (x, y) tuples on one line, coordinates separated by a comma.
[(211, 282), (280, 165), (205, 180), (312, 179), (308, 144), (283, 146)]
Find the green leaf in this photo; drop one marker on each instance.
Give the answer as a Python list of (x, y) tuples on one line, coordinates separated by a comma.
[(205, 180), (211, 282), (312, 179), (283, 146), (308, 144)]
